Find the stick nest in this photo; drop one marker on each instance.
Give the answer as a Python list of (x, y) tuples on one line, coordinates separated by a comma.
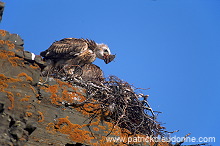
[(121, 105), (118, 103)]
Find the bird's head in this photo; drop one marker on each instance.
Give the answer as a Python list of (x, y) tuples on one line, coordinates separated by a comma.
[(103, 52)]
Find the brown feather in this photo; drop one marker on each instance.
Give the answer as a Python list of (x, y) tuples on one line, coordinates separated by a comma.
[(69, 53), (92, 72), (68, 48)]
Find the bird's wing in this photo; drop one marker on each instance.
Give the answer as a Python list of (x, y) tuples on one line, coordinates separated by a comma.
[(65, 48)]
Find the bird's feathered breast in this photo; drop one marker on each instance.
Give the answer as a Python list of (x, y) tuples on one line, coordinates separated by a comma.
[(68, 48)]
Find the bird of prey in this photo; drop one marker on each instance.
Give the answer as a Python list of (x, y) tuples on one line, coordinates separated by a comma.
[(91, 72), (73, 51)]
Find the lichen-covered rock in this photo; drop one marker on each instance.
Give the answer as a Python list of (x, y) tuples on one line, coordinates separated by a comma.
[(13, 58), (16, 39), (37, 110)]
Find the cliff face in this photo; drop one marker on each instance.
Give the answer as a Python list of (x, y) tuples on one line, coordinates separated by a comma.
[(36, 110)]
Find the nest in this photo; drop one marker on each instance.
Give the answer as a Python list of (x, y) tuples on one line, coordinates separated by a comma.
[(121, 105), (117, 103)]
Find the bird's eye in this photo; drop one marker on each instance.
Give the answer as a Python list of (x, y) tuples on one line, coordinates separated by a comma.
[(106, 51)]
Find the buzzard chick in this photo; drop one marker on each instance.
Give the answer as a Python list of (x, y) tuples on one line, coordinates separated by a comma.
[(91, 72)]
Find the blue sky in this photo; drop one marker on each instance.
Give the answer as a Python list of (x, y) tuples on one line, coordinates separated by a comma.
[(169, 46)]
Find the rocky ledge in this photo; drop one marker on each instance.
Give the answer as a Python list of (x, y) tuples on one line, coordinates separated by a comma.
[(36, 110)]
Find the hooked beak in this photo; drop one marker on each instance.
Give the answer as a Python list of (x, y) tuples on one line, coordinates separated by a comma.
[(108, 58)]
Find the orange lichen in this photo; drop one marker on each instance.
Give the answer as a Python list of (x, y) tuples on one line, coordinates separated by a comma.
[(26, 98), (41, 116), (51, 128), (28, 78), (53, 89), (63, 83), (29, 106), (55, 99), (80, 96), (11, 98), (34, 66), (3, 85), (65, 96), (13, 86), (8, 43), (33, 89), (74, 131), (89, 108), (96, 122), (8, 79), (95, 129), (28, 114), (66, 84), (15, 61), (72, 96), (18, 94), (102, 127), (6, 54), (10, 56), (3, 32)]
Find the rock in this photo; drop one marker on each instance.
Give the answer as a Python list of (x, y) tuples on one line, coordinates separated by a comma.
[(17, 59), (36, 110), (29, 56), (39, 60), (4, 35), (30, 127), (16, 39), (1, 107)]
